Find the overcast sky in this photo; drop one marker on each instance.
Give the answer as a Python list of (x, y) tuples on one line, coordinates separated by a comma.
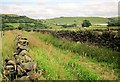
[(43, 9)]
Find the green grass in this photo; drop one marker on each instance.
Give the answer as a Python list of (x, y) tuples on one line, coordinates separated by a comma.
[(7, 48), (64, 60), (94, 28), (79, 20), (103, 69), (97, 28), (98, 54), (8, 44), (56, 64), (0, 57), (15, 25), (53, 72), (104, 56)]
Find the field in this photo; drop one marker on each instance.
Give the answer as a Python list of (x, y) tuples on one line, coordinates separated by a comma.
[(78, 20), (64, 60), (12, 21)]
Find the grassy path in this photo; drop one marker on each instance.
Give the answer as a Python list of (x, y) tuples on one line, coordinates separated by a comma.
[(62, 64), (56, 63)]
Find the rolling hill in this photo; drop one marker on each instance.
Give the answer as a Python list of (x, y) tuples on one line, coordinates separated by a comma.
[(77, 20), (14, 21)]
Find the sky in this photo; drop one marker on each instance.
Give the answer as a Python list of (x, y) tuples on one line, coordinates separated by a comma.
[(45, 9)]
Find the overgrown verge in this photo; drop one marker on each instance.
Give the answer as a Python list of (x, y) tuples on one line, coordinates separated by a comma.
[(108, 39), (103, 54), (71, 69), (57, 65)]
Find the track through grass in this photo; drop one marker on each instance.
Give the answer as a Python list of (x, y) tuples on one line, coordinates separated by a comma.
[(57, 63)]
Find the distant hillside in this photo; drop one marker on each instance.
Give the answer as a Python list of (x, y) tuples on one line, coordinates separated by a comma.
[(13, 21), (12, 18), (11, 15), (78, 20)]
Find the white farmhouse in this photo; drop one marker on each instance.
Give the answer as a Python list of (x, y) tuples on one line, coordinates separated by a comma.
[(105, 24)]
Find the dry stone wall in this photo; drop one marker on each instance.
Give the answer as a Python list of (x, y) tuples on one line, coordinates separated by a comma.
[(109, 39), (21, 66)]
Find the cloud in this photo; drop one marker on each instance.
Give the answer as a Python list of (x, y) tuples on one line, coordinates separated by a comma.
[(44, 9), (105, 9), (41, 1)]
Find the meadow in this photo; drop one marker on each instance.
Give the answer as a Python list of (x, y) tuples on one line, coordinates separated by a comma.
[(77, 20), (65, 60)]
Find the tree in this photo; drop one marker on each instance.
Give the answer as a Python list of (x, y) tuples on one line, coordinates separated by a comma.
[(86, 23), (113, 22), (21, 26), (6, 27)]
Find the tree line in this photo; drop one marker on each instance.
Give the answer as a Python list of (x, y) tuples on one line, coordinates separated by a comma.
[(23, 21), (29, 23)]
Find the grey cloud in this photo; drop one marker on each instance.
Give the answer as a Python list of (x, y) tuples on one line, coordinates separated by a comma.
[(99, 8)]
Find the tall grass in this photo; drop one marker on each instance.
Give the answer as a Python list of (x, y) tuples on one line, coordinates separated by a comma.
[(98, 54), (8, 44), (7, 48), (58, 64), (66, 60), (59, 59), (56, 69), (0, 57)]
